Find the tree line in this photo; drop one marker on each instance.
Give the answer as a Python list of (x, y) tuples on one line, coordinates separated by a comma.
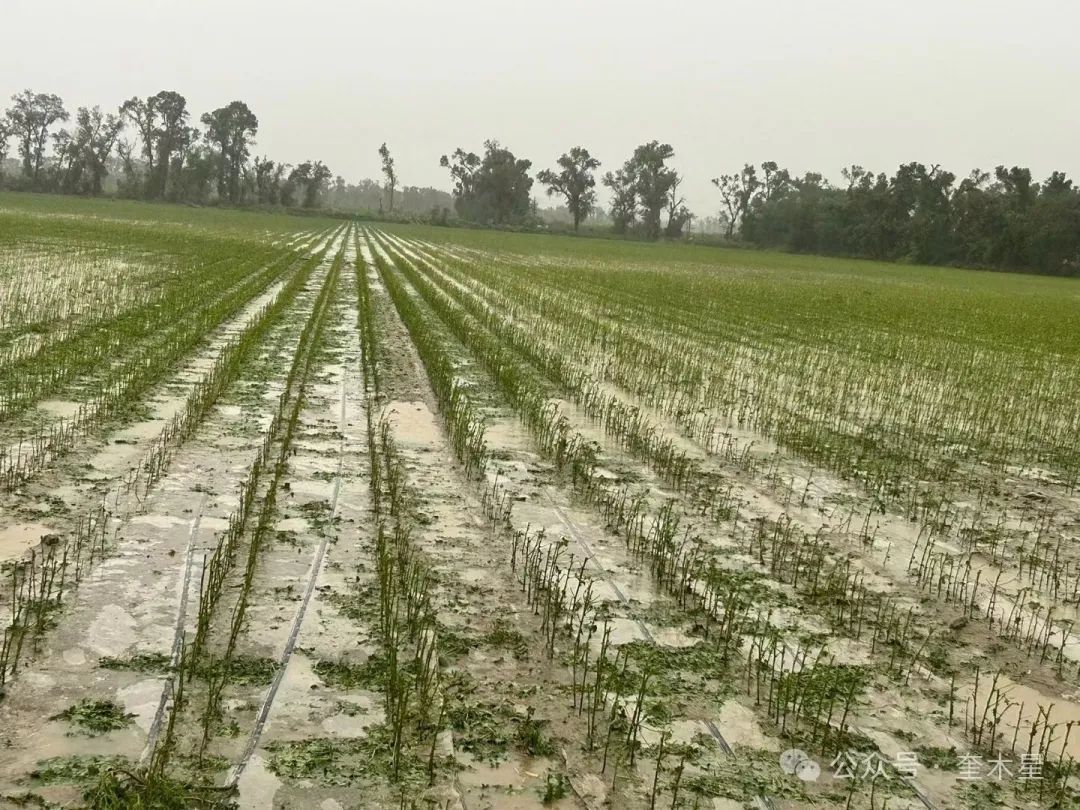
[(154, 151), (376, 198), (1002, 220)]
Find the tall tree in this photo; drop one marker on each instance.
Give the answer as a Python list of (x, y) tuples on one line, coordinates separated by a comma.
[(1016, 193), (29, 119), (231, 131), (777, 181), (574, 181), (924, 227), (853, 174), (162, 123), (653, 181), (623, 199), (173, 137), (388, 173), (128, 184), (737, 190), (463, 168), (1054, 226), (1056, 183), (5, 134), (493, 189), (65, 168), (187, 169), (920, 214), (280, 191), (320, 174), (83, 156), (264, 178), (312, 176), (679, 215), (144, 115), (194, 171)]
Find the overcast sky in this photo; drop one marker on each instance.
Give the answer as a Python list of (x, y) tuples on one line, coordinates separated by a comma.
[(812, 85)]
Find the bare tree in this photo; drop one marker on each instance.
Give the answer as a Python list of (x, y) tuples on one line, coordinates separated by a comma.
[(388, 172), (5, 134), (679, 216), (736, 190)]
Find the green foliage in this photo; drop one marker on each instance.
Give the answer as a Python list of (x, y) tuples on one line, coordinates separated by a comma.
[(697, 669), (974, 342), (388, 173), (140, 662), (80, 158), (643, 187), (240, 669), (161, 121), (95, 716), (623, 199), (653, 181), (556, 787), (493, 189), (312, 177), (531, 739), (76, 768), (172, 164), (332, 761), (574, 181), (369, 675), (479, 730), (28, 121), (920, 214), (121, 789), (744, 777), (503, 636), (945, 759), (231, 130)]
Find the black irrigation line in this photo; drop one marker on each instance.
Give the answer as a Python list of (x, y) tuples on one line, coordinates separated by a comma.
[(298, 621), (169, 688), (923, 797)]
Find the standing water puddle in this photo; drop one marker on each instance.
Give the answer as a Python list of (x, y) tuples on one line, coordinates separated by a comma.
[(14, 540)]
